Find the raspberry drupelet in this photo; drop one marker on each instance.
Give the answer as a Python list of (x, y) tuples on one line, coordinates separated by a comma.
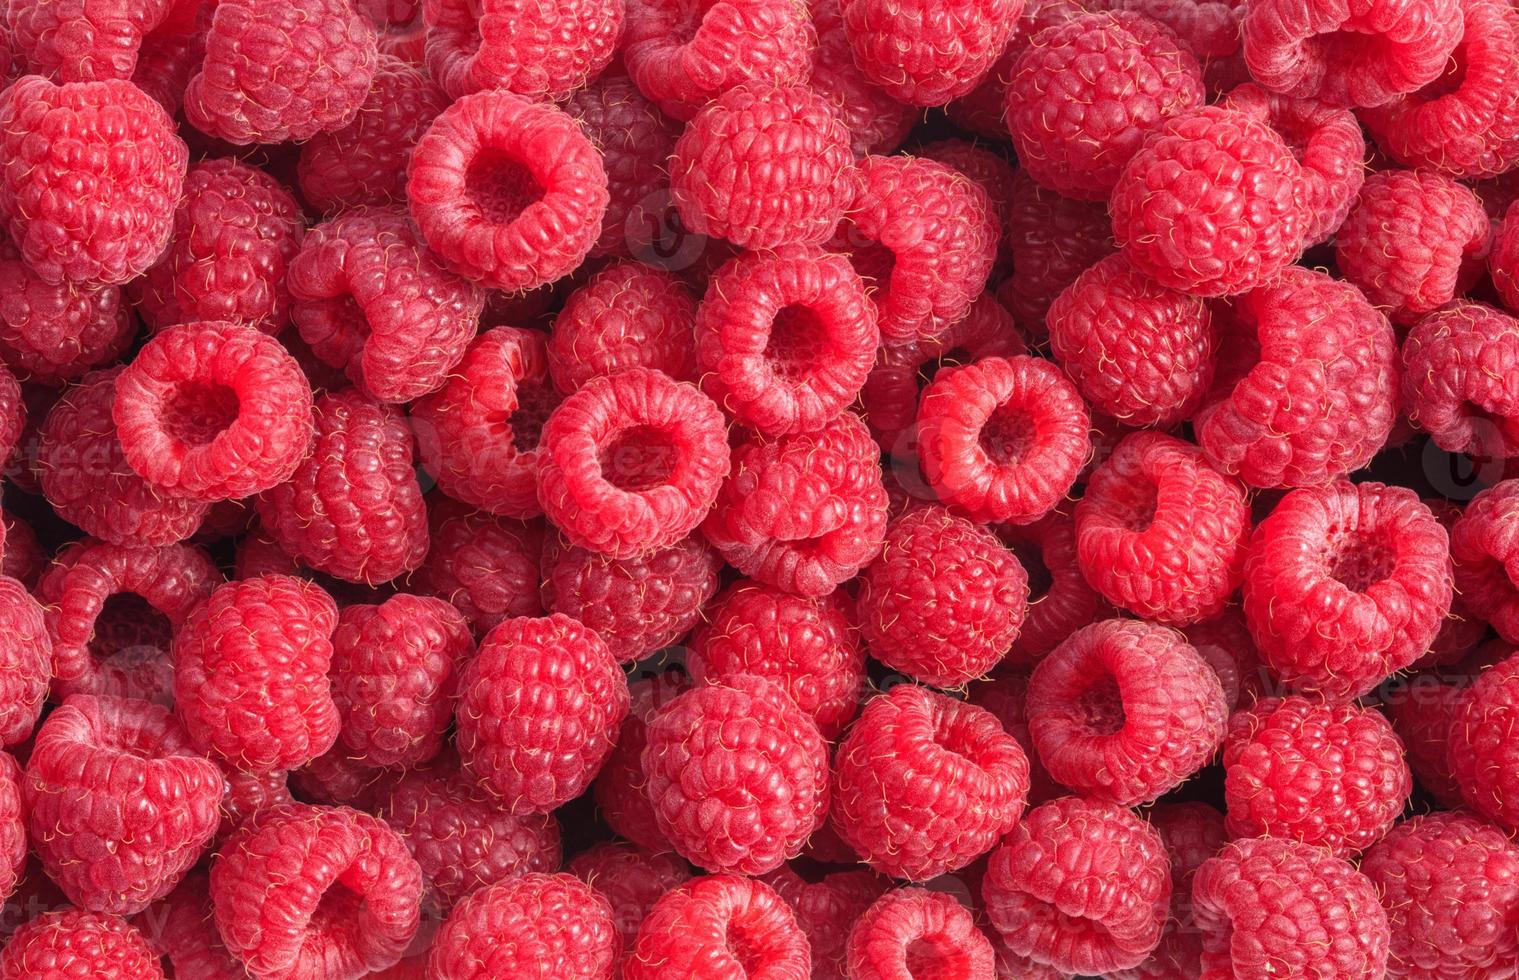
[(1482, 545), (720, 925), (912, 931), (926, 54), (541, 51), (627, 315)]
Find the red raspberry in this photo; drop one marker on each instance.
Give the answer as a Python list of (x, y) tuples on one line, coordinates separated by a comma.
[(1346, 585), (877, 123), (619, 788), (278, 70), (1136, 350), (173, 51), (303, 891), (250, 674), (1483, 746), (98, 207), (510, 193), (541, 51), (119, 803), (247, 794), (1081, 100), (55, 333), (1079, 886), (1005, 695), (803, 512), (632, 462), (334, 779), (23, 558), (180, 928), (235, 232), (72, 943), (1503, 258), (1422, 711), (486, 566), (925, 235), (1225, 643), (353, 509), (627, 315), (1210, 29), (1482, 545), (1413, 242), (912, 932), (924, 784), (1201, 172), (1060, 599), (785, 340), (720, 926), (1003, 439), (213, 411), (368, 297), (1306, 384), (558, 926), (1267, 906), (992, 170), (25, 665), (1052, 240), (631, 881), (924, 54), (637, 604), (1455, 383), (539, 709), (826, 910), (83, 42), (1330, 775)]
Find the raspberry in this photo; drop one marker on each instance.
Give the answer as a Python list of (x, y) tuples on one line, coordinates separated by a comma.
[(1453, 386), (1225, 643), (559, 926), (1346, 585), (315, 891), (181, 930), (877, 123), (1482, 545), (619, 788), (1503, 258), (1136, 350), (118, 801), (803, 512), (627, 315), (541, 51), (334, 779), (364, 163), (924, 54), (631, 881), (213, 411), (1278, 907), (913, 932), (486, 566), (924, 784), (70, 942), (639, 604), (1413, 242), (25, 664), (246, 795), (83, 42), (23, 558), (353, 509), (720, 926), (510, 193), (539, 709), (54, 333), (925, 236), (1198, 173), (1483, 747), (278, 70), (826, 909), (1422, 711), (235, 232), (1079, 886), (1210, 29), (1005, 695), (1003, 439), (785, 340), (250, 674), (992, 170), (1297, 405), (96, 208), (369, 298), (461, 839), (1330, 775), (172, 52)]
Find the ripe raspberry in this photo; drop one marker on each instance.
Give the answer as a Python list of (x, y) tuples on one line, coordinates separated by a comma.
[(235, 232), (924, 784), (924, 54), (619, 788), (992, 170), (1052, 240), (246, 795), (172, 52), (83, 42), (826, 910), (369, 298), (1005, 695), (637, 604), (1210, 29), (96, 208), (877, 123), (1201, 172), (55, 333), (1277, 907), (925, 235), (335, 779), (1294, 404), (25, 664), (541, 51), (912, 932), (70, 942), (720, 926), (785, 340), (1422, 711), (628, 315), (278, 70), (1346, 585), (1080, 886), (539, 709), (181, 930), (1482, 545), (1003, 439), (1483, 747), (1225, 643), (631, 881), (315, 891), (510, 193), (558, 926), (803, 512), (250, 674), (1453, 385), (213, 411), (1412, 242), (486, 566), (119, 803)]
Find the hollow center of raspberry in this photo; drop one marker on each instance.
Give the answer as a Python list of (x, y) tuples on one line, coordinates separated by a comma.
[(1007, 436), (198, 412), (500, 187), (742, 948), (796, 343), (1139, 508), (535, 402), (638, 458), (1100, 707), (924, 959), (1361, 563)]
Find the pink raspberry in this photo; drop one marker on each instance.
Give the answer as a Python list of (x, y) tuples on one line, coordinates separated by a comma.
[(626, 315), (539, 710), (1201, 172), (1482, 545), (96, 208), (53, 333), (631, 881), (1413, 242), (486, 566), (79, 41), (250, 674), (119, 803), (1225, 643), (1080, 886), (631, 462), (25, 663), (1060, 600), (1346, 585), (1294, 404), (619, 788), (911, 932), (785, 340), (558, 926), (924, 784), (827, 909), (1483, 746), (541, 51), (1003, 439), (877, 122), (278, 70), (315, 891), (1268, 906), (72, 942), (1052, 240), (925, 54), (1454, 385), (247, 794), (369, 298), (181, 929), (803, 513), (1005, 695)]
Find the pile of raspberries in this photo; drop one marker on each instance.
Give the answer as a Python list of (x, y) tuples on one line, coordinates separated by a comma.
[(759, 489)]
